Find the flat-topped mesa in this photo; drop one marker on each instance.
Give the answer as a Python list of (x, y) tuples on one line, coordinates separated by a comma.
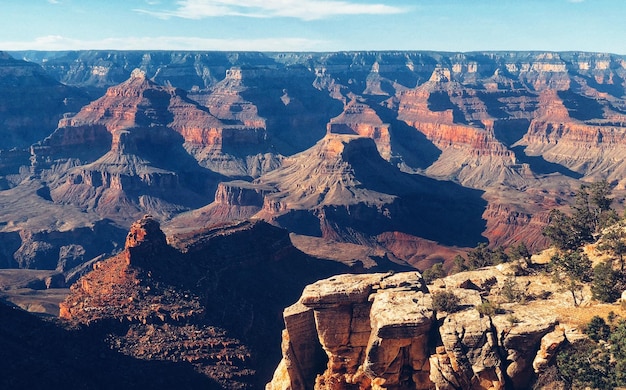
[(145, 239), (359, 118), (241, 193)]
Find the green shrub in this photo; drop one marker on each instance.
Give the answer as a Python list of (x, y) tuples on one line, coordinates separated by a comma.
[(487, 309), (604, 283), (597, 329), (445, 301), (512, 319), (586, 364), (436, 271), (511, 291)]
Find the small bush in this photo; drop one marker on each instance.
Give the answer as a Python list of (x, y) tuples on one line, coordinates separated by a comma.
[(445, 301), (487, 309), (512, 319), (434, 272), (597, 329), (605, 282), (511, 291), (586, 365)]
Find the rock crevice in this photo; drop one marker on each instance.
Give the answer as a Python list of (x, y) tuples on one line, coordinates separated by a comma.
[(379, 331)]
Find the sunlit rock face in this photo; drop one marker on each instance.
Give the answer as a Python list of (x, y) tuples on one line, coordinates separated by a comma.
[(521, 128), (380, 331)]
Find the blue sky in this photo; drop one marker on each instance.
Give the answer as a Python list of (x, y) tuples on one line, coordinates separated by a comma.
[(315, 25)]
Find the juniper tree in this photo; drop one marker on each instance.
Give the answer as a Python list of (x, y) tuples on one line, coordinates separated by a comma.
[(590, 213), (570, 270), (605, 282), (613, 241)]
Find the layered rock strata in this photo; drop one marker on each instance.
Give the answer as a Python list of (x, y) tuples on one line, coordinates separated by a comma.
[(380, 331), (210, 297)]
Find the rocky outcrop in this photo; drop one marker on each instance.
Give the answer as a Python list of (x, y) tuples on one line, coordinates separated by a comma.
[(380, 331), (38, 353), (358, 118), (210, 297), (123, 154), (373, 330), (343, 189)]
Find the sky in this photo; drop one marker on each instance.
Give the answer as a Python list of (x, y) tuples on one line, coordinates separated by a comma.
[(314, 25)]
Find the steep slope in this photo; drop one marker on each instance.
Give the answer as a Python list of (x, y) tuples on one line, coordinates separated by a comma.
[(210, 297), (381, 331), (31, 102), (343, 189), (242, 148), (123, 154), (580, 133), (485, 120), (41, 354), (39, 234)]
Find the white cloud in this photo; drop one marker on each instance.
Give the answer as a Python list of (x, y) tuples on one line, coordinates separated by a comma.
[(57, 42), (54, 2), (299, 9)]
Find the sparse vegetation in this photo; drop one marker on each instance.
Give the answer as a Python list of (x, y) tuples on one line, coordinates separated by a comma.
[(445, 301), (597, 329), (613, 242), (591, 217), (520, 252), (512, 319), (436, 271), (487, 309), (483, 256), (591, 213), (511, 291), (570, 270), (586, 364), (598, 362), (459, 265)]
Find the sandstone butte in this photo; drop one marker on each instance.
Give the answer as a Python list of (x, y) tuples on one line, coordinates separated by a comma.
[(208, 298), (379, 331)]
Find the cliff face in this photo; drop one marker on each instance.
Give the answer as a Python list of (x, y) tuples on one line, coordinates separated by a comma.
[(523, 128), (210, 297), (32, 102), (125, 153), (343, 189), (380, 331)]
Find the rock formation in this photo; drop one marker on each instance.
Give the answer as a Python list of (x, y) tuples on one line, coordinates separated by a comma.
[(338, 188), (523, 128), (32, 102), (126, 154), (368, 158), (380, 331), (38, 353), (209, 297)]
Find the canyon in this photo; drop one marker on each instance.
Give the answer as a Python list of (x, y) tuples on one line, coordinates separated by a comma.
[(198, 193), (205, 138)]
